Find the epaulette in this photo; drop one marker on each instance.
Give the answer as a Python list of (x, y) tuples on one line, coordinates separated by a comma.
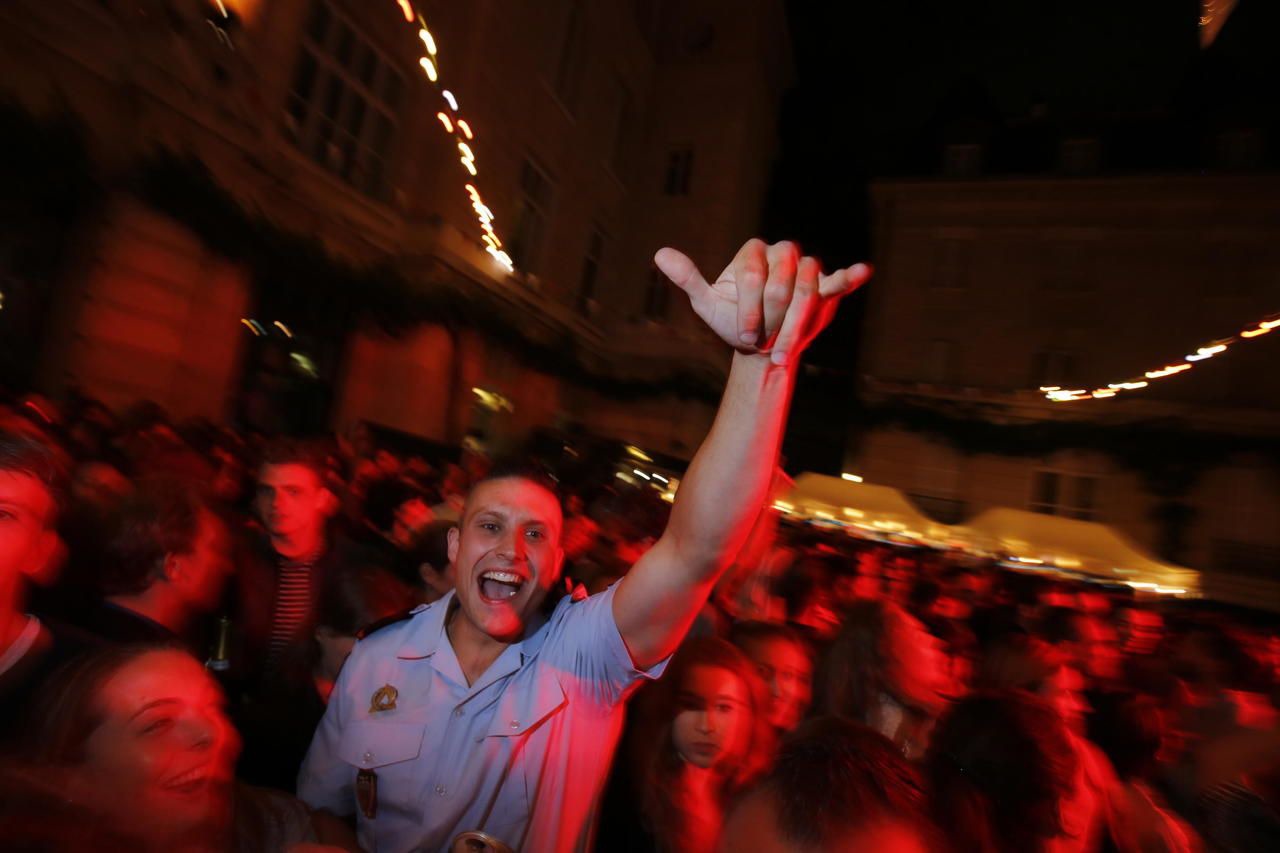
[(384, 622)]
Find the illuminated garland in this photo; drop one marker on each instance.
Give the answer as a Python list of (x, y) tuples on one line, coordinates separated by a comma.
[(1058, 394), (460, 130)]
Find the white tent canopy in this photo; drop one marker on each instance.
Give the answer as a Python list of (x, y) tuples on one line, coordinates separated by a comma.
[(1087, 547), (1027, 539), (863, 505)]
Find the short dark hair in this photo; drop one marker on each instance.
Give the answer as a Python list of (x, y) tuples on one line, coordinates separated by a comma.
[(832, 776), (162, 517), (293, 451), (521, 469), (28, 455)]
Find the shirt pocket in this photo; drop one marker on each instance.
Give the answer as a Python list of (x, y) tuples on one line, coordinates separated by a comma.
[(390, 751), (369, 745)]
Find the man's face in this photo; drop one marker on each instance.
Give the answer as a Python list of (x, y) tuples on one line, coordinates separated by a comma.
[(292, 499), (206, 566), (506, 552), (27, 540), (788, 671)]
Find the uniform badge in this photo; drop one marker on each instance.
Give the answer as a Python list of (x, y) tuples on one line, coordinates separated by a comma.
[(367, 793), (383, 699)]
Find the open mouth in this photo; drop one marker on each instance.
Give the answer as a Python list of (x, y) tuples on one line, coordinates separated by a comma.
[(497, 587), (191, 781)]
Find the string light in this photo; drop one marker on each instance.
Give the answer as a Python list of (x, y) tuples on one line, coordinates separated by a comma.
[(1167, 371), (461, 130), (1056, 394)]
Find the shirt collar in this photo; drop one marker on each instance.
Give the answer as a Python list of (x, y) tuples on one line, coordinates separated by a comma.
[(425, 638)]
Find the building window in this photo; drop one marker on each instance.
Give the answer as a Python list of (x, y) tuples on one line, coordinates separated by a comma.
[(573, 56), (531, 217), (344, 101), (657, 295), (1053, 367), (679, 171), (586, 299), (1068, 495), (952, 260)]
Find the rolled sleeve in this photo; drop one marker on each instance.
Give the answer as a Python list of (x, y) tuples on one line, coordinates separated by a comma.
[(589, 644)]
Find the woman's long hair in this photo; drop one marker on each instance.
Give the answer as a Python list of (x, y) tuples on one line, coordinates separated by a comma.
[(852, 673), (656, 765), (999, 766)]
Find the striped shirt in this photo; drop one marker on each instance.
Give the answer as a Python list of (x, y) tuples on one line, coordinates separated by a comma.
[(294, 581)]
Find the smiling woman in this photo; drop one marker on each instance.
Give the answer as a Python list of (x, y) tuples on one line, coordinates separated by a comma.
[(130, 748)]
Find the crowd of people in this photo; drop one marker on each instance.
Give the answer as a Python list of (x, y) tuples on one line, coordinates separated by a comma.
[(212, 640)]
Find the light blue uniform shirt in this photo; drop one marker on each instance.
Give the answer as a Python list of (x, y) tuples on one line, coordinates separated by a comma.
[(521, 755)]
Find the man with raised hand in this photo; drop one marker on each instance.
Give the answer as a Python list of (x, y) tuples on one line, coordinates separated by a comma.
[(477, 715)]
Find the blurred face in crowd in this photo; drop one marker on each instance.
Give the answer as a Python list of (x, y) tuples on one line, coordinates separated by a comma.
[(917, 663), (28, 542), (162, 758), (788, 673), (410, 518), (1141, 631), (752, 827), (506, 554), (917, 684), (1100, 649), (292, 499), (202, 572), (713, 717), (1065, 692)]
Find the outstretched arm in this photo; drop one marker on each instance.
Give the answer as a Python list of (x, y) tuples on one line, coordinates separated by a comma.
[(768, 305)]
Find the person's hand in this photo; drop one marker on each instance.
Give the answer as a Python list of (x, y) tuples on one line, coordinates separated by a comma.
[(767, 300)]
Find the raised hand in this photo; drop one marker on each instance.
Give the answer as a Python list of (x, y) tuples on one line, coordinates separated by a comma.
[(768, 299)]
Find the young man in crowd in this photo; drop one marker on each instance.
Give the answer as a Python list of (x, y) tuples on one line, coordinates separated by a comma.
[(281, 581), (478, 715), (166, 564), (31, 479)]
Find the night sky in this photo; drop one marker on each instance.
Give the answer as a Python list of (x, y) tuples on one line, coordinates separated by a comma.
[(881, 87)]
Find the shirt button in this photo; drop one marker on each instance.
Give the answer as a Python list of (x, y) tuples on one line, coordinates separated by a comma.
[(440, 789), (458, 712), (515, 724), (368, 756)]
